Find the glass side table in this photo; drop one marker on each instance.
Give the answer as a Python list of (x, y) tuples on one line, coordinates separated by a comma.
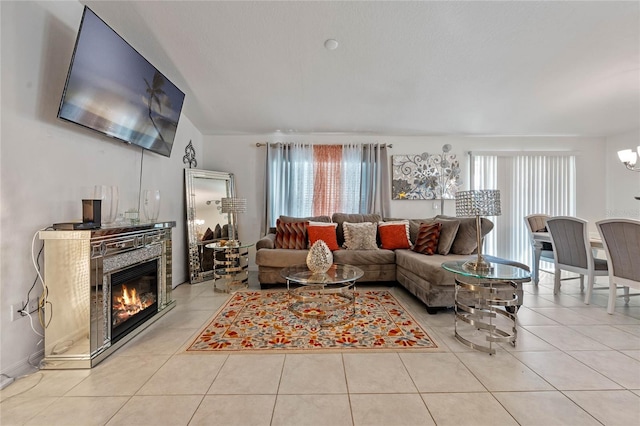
[(478, 301), (230, 266), (325, 299)]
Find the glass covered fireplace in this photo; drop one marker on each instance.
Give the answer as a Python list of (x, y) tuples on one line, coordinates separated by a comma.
[(104, 287), (134, 297)]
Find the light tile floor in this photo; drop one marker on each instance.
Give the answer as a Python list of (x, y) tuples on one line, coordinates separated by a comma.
[(573, 364)]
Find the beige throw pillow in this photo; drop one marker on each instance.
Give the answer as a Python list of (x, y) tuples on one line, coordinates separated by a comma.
[(466, 240), (360, 236), (448, 234)]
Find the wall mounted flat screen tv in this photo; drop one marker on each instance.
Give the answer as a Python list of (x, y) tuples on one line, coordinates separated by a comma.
[(113, 90)]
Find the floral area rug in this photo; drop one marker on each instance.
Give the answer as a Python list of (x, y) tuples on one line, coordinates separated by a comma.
[(261, 321)]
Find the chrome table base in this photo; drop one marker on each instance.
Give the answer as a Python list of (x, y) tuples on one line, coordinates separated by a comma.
[(478, 305)]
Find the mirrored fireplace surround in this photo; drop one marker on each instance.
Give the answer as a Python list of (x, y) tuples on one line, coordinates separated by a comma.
[(80, 308)]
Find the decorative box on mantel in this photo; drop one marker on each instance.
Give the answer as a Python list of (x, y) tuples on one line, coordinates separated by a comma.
[(104, 286)]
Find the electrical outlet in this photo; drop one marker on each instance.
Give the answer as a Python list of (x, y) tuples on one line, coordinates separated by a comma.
[(13, 311), (32, 306)]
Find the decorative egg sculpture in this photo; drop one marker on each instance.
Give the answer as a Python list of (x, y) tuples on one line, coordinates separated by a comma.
[(320, 258)]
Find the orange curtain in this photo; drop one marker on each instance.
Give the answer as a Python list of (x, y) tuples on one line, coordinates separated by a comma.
[(327, 162)]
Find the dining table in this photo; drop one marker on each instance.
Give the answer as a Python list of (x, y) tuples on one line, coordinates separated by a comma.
[(594, 239)]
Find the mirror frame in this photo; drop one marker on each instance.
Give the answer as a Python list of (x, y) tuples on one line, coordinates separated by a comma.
[(196, 275)]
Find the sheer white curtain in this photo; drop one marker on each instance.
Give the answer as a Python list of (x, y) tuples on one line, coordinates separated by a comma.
[(351, 171), (528, 183), (289, 181)]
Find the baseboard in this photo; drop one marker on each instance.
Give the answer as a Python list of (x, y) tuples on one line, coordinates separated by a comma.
[(5, 381), (20, 368)]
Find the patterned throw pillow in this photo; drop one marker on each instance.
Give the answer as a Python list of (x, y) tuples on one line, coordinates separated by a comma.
[(291, 235), (360, 236), (448, 232), (394, 236), (325, 232), (427, 239)]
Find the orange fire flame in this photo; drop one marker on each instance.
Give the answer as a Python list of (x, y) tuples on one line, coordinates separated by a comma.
[(130, 299), (128, 305)]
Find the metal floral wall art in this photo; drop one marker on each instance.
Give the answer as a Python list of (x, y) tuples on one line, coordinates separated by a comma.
[(425, 176)]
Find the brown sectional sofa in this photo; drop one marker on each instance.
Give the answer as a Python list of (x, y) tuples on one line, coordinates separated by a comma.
[(420, 274)]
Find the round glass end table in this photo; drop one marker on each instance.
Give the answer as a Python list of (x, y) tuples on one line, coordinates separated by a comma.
[(325, 299), (478, 298)]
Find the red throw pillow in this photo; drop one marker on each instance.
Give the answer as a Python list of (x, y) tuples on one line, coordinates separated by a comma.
[(291, 235), (394, 237), (427, 239), (324, 233)]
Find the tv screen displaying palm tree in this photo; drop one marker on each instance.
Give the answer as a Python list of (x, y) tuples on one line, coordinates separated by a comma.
[(114, 90)]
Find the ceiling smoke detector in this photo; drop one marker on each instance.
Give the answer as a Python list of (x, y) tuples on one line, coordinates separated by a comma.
[(331, 44)]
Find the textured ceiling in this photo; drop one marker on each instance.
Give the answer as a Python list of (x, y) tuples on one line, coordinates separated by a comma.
[(402, 68)]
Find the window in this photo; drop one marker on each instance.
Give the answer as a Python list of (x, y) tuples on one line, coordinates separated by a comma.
[(313, 180), (528, 183)]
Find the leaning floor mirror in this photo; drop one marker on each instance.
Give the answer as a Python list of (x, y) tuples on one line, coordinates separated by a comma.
[(205, 221)]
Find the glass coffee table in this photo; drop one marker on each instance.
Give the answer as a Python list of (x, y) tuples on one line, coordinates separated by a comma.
[(478, 299), (325, 299)]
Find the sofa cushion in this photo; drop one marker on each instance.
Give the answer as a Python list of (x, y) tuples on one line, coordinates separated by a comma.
[(340, 218), (426, 267), (281, 258), (267, 242), (394, 235), (429, 268), (466, 241), (427, 239), (291, 235), (365, 257), (360, 236), (325, 232), (448, 233)]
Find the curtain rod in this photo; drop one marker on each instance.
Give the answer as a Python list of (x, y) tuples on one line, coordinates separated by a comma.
[(384, 145)]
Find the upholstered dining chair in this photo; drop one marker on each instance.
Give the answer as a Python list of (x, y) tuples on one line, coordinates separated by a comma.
[(572, 252), (621, 241), (538, 223)]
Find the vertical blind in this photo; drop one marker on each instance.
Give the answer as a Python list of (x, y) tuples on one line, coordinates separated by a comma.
[(529, 183)]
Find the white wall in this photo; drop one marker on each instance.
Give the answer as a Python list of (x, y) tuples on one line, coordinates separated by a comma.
[(622, 185), (47, 166), (248, 162)]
